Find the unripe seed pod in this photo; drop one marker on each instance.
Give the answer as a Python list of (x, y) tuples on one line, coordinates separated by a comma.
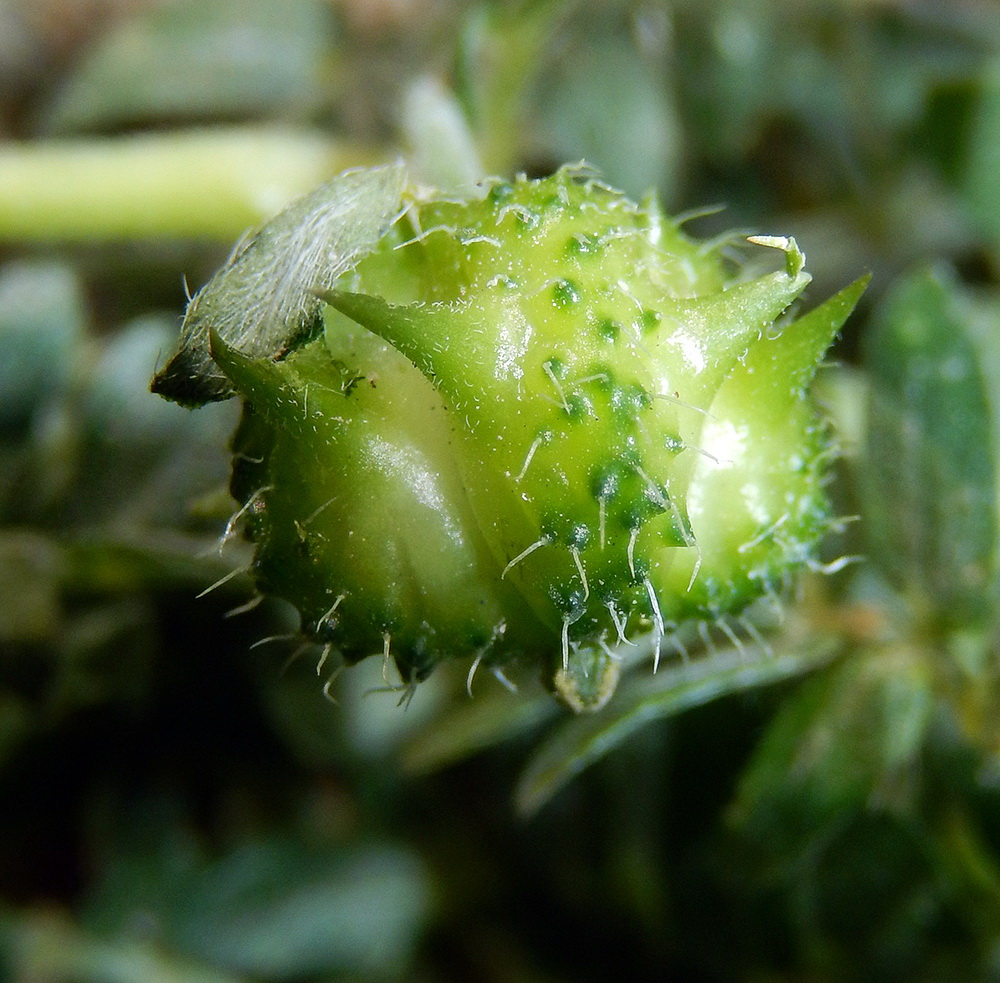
[(535, 424)]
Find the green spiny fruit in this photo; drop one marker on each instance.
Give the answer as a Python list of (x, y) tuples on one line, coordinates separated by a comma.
[(534, 424)]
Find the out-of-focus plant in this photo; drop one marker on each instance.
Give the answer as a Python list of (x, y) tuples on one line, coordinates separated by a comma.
[(820, 804)]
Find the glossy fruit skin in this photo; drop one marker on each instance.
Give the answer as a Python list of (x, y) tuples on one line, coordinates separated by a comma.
[(535, 424)]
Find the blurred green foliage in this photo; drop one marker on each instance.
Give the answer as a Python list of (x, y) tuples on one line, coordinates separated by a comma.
[(179, 802)]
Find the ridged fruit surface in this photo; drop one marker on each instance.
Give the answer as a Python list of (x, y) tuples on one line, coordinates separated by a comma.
[(535, 424)]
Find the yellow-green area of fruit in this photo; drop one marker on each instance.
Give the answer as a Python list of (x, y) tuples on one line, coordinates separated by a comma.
[(358, 513), (588, 437)]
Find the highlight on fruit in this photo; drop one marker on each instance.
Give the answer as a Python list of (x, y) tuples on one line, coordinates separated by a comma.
[(533, 424)]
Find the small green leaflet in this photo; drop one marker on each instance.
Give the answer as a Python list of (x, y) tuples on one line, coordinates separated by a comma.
[(265, 299), (641, 699)]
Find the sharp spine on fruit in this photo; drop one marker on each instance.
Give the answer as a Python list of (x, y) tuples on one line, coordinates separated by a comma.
[(597, 377), (695, 570), (422, 235), (498, 674)]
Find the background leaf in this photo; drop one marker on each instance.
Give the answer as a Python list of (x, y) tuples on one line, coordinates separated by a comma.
[(187, 60), (641, 700), (929, 468), (278, 911)]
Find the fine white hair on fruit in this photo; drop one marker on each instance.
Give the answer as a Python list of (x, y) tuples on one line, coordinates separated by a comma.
[(575, 553), (658, 628), (246, 607), (526, 552), (251, 503), (329, 613), (232, 575), (618, 620), (535, 444), (723, 625)]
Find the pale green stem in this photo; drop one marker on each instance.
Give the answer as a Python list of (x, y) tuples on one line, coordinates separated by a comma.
[(199, 184), (48, 946)]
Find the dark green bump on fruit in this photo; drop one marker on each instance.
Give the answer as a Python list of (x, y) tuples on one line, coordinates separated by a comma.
[(573, 410), (500, 193), (565, 294), (582, 244), (526, 220), (605, 482), (556, 366), (578, 537), (609, 329), (578, 407)]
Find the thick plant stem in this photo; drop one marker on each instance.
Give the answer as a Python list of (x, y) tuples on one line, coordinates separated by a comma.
[(200, 184)]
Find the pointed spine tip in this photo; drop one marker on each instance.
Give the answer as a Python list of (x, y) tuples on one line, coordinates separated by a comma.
[(795, 259)]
